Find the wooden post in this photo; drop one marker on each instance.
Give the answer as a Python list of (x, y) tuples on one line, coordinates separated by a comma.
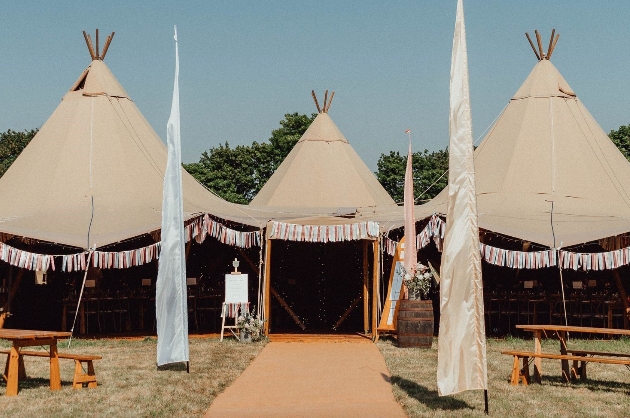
[(566, 371), (366, 290), (623, 295), (13, 288), (267, 295), (55, 378), (375, 248), (537, 360)]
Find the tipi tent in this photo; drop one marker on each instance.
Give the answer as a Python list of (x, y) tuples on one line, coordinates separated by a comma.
[(547, 172), (93, 174), (323, 176), (322, 171)]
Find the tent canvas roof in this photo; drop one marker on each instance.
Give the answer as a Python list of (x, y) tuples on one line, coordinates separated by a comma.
[(97, 145), (322, 171), (546, 147)]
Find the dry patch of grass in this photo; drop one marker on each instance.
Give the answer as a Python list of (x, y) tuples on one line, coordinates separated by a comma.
[(129, 382), (606, 393)]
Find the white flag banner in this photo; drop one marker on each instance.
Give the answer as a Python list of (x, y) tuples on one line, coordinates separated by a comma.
[(462, 340), (171, 297)]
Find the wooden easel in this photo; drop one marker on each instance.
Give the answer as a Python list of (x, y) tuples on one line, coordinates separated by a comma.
[(234, 295), (224, 312)]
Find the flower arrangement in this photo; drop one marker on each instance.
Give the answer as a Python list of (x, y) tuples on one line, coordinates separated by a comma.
[(418, 281), (250, 323)]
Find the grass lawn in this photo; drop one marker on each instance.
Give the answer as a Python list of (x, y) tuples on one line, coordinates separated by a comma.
[(129, 382), (606, 393)]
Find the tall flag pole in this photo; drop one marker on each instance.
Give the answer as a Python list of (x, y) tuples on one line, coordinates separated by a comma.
[(171, 297), (462, 341), (411, 256)]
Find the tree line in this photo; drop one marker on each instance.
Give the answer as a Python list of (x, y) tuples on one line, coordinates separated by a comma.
[(238, 173)]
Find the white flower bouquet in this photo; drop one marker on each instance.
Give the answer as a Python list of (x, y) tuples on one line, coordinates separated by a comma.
[(418, 281)]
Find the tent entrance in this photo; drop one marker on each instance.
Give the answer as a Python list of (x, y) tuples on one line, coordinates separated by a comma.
[(317, 288)]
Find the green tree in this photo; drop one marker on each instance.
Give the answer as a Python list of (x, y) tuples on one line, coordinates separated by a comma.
[(428, 174), (237, 174), (621, 138), (11, 145)]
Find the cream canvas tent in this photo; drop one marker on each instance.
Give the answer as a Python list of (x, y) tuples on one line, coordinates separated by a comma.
[(96, 169), (322, 177), (322, 171), (546, 159)]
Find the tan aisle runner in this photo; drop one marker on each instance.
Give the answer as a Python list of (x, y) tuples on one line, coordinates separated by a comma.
[(318, 379)]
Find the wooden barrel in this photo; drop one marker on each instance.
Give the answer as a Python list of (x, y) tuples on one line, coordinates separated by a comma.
[(415, 323)]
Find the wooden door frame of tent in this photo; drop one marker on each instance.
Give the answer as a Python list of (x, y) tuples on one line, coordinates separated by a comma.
[(267, 291), (366, 295), (623, 295), (366, 289), (13, 286), (376, 244)]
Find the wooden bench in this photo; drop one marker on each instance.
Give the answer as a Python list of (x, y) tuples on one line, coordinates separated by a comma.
[(578, 356), (80, 377)]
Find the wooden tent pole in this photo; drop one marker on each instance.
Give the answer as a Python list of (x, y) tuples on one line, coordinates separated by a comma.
[(553, 31), (330, 101), (539, 40), (89, 45), (107, 42), (553, 47), (325, 101), (366, 291), (375, 248), (532, 45), (267, 295), (624, 296), (316, 102), (97, 50)]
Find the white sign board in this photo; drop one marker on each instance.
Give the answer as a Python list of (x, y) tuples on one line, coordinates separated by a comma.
[(236, 288), (395, 293)]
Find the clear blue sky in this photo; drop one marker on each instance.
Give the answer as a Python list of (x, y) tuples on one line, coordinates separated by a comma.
[(245, 64)]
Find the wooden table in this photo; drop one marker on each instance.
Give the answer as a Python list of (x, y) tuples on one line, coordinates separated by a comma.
[(28, 338), (561, 331)]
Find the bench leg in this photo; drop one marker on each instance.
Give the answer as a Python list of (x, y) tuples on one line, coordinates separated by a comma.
[(525, 371), (515, 372), (583, 371), (575, 370), (78, 371), (91, 383), (12, 372), (80, 378)]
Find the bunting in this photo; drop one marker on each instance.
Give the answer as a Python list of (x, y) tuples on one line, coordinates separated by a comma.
[(324, 233), (519, 259), (197, 229), (434, 229)]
